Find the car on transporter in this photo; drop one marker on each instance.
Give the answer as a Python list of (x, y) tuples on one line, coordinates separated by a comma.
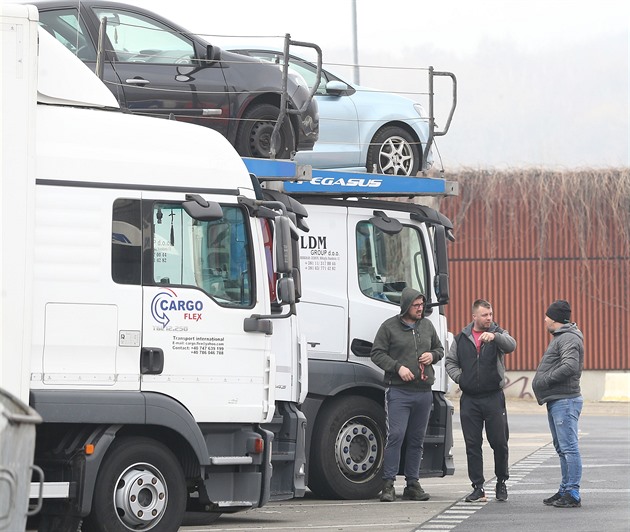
[(360, 129), (155, 67)]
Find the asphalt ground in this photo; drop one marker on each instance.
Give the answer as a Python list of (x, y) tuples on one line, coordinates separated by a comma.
[(535, 474), (605, 488)]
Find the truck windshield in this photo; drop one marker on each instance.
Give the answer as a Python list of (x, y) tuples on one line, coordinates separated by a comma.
[(213, 256), (387, 263)]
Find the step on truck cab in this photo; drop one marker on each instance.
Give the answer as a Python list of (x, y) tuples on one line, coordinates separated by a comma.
[(359, 254), (141, 328)]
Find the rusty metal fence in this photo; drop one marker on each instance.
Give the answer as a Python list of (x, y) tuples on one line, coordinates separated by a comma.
[(521, 260)]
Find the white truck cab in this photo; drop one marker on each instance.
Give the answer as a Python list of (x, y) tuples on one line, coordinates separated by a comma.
[(141, 330), (358, 255)]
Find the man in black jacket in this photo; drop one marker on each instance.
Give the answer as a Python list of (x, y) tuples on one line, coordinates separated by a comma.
[(475, 361)]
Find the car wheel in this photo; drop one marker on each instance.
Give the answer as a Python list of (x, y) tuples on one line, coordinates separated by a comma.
[(394, 151), (140, 487), (253, 138), (347, 448)]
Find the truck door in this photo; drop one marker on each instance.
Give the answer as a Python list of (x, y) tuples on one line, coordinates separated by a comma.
[(200, 284), (323, 310), (381, 265)]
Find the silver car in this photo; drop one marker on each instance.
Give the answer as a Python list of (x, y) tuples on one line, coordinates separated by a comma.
[(359, 128)]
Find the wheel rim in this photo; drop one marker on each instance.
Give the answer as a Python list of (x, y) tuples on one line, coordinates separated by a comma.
[(395, 156), (358, 449), (140, 497), (260, 139)]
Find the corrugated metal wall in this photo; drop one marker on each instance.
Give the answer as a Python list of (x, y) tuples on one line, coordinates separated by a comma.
[(521, 252)]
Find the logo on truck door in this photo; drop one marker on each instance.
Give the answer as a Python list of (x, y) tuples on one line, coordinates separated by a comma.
[(166, 305)]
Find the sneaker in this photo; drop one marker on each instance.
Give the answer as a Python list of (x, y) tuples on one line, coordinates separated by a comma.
[(501, 491), (567, 501), (550, 500), (414, 492), (478, 495), (389, 493)]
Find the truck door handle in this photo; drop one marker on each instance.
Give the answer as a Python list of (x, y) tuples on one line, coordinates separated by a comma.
[(151, 361), (137, 81)]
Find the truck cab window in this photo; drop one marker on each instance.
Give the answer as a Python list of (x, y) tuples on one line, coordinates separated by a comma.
[(388, 263), (213, 256), (126, 242)]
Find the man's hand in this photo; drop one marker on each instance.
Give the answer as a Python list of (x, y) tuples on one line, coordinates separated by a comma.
[(425, 358), (406, 374), (486, 337)]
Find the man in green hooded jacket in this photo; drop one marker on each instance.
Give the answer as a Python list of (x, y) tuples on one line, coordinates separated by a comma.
[(406, 346)]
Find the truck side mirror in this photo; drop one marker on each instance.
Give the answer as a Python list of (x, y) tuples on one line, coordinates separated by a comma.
[(286, 291), (440, 281), (282, 240), (389, 226), (200, 209)]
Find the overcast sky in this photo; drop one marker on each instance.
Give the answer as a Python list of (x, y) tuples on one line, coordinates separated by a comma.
[(541, 82)]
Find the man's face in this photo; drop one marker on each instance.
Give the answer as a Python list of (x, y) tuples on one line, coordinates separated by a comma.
[(550, 324), (415, 310), (482, 319)]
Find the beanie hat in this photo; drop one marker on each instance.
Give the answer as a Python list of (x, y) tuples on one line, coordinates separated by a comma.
[(560, 311)]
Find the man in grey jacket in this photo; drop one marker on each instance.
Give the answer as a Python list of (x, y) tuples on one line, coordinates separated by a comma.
[(557, 384), (475, 361), (406, 346)]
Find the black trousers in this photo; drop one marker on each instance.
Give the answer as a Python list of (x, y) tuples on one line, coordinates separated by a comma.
[(474, 413)]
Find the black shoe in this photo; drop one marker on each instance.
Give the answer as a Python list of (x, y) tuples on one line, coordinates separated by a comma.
[(550, 500), (567, 501), (389, 493), (414, 492), (478, 495), (501, 491)]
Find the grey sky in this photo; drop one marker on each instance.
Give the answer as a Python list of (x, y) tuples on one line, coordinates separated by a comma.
[(541, 82)]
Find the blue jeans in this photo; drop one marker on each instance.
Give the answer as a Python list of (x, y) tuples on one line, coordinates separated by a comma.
[(406, 412), (563, 415)]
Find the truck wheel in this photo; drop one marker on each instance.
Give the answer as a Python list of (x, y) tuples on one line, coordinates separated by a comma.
[(346, 458), (253, 138), (140, 486), (394, 151)]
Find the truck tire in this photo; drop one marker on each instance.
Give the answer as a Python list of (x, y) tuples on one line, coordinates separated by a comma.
[(253, 138), (346, 457), (139, 487), (394, 151)]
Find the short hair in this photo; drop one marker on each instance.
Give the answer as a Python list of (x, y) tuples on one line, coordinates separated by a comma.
[(480, 303)]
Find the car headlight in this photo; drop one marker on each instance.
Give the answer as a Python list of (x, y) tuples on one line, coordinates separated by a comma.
[(420, 110)]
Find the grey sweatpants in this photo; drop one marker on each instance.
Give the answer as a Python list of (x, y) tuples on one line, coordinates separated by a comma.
[(405, 409)]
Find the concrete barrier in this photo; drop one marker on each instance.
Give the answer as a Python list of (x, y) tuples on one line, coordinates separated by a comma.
[(612, 386)]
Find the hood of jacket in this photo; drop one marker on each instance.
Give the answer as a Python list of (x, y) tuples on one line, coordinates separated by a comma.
[(408, 296), (571, 328)]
